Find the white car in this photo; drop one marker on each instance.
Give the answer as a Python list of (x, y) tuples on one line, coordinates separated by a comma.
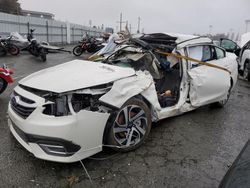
[(71, 111), (244, 61)]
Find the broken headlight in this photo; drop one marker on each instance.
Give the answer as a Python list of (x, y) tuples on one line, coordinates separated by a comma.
[(74, 102), (58, 106)]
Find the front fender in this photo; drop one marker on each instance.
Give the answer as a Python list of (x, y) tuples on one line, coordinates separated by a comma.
[(142, 83)]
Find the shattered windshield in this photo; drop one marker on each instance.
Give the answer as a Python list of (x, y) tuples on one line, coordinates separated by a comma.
[(130, 56), (136, 58)]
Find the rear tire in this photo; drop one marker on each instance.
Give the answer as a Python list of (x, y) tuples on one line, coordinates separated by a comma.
[(3, 85), (129, 127), (222, 103), (77, 51), (13, 50)]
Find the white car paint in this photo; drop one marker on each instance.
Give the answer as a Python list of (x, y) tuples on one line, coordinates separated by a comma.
[(67, 77), (245, 57), (244, 39), (86, 128)]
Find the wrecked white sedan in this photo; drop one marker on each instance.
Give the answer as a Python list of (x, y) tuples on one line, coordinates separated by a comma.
[(69, 112)]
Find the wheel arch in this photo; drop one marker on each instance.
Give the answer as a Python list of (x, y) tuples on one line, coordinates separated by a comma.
[(135, 100), (115, 111)]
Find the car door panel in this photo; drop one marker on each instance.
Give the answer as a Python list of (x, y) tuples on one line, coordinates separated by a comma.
[(208, 85)]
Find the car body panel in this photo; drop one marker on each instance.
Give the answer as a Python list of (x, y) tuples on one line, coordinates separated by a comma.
[(230, 63), (51, 79), (244, 39), (203, 89), (124, 89), (243, 59)]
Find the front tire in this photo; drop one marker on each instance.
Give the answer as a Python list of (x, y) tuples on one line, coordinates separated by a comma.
[(130, 126), (77, 51), (3, 85)]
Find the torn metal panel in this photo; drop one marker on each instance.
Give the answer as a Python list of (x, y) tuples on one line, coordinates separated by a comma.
[(124, 89)]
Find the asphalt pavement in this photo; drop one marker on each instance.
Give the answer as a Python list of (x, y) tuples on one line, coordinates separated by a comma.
[(191, 151)]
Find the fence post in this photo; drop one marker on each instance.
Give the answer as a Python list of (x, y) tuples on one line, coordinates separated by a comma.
[(47, 30), (62, 33), (73, 34), (68, 32), (28, 27)]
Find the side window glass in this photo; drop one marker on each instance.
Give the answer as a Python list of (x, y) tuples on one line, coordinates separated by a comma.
[(202, 53), (195, 52), (228, 44), (206, 53), (220, 53)]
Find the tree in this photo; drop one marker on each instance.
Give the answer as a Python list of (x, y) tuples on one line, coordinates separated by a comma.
[(10, 6)]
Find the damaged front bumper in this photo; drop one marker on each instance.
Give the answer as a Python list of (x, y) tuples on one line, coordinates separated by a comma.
[(61, 139)]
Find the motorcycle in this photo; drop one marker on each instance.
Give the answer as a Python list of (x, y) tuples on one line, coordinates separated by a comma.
[(88, 44), (7, 47), (5, 78), (37, 50), (34, 48)]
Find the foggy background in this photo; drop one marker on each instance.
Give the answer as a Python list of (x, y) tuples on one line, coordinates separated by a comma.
[(192, 16)]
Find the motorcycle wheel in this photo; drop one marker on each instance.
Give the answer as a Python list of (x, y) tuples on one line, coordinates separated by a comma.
[(13, 50), (3, 85), (77, 51), (32, 51), (3, 51)]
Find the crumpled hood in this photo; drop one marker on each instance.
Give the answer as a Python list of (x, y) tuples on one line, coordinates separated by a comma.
[(73, 75)]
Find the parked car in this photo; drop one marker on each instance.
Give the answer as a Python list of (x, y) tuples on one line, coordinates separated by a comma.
[(71, 111), (5, 78), (244, 61)]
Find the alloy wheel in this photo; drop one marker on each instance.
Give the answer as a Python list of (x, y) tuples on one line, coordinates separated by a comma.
[(130, 126)]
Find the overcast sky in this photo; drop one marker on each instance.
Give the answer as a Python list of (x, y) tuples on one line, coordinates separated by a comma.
[(182, 16)]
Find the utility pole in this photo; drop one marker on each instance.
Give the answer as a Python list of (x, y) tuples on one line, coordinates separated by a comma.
[(247, 22), (121, 22), (130, 28), (210, 29), (90, 23), (139, 24)]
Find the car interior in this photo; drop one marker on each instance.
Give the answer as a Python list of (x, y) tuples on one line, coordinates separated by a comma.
[(166, 71)]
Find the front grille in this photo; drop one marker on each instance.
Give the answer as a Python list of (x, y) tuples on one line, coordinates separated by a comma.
[(21, 110), (24, 99)]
